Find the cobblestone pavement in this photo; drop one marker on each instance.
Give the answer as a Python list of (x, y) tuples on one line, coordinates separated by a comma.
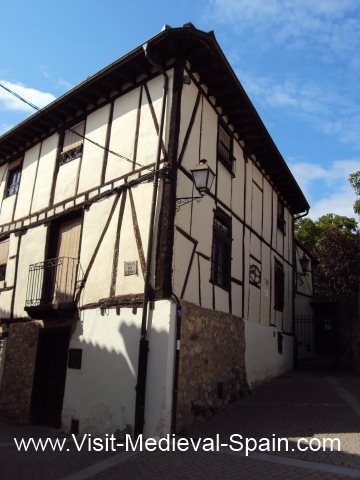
[(296, 405)]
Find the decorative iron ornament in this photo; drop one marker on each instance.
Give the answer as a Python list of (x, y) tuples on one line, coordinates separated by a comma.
[(255, 275), (183, 201), (70, 155)]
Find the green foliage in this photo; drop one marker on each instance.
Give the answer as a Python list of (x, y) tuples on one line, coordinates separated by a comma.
[(354, 180), (334, 242), (311, 233)]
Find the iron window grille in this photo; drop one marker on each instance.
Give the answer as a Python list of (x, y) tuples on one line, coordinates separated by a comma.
[(73, 142), (13, 182), (221, 251), (279, 286), (225, 150)]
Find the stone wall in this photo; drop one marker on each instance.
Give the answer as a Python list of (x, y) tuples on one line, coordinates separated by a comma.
[(19, 366), (212, 363)]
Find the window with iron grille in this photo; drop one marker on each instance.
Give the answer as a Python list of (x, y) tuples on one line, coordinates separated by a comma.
[(280, 216), (4, 252), (225, 149), (13, 182), (72, 145), (279, 286), (221, 251)]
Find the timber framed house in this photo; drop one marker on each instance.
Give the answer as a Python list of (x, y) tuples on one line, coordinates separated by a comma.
[(123, 309)]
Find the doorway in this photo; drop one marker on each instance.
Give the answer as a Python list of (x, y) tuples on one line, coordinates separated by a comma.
[(50, 376)]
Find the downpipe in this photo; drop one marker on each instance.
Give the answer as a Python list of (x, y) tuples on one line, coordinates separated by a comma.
[(144, 343)]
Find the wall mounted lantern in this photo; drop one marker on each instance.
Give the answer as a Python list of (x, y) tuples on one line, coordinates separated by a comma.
[(304, 262), (203, 178)]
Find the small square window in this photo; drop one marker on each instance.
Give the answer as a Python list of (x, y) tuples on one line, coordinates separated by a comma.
[(13, 182), (72, 145), (225, 149)]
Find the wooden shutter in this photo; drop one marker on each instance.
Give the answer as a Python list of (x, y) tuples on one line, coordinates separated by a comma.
[(67, 252)]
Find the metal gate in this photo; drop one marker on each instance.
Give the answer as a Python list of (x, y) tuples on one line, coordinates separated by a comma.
[(304, 338)]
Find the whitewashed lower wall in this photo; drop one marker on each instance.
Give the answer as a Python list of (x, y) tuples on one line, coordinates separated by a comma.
[(101, 395), (262, 359)]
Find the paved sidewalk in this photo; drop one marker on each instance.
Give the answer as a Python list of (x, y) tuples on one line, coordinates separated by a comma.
[(294, 406)]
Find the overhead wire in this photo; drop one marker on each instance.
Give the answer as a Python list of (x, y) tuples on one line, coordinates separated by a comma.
[(119, 155)]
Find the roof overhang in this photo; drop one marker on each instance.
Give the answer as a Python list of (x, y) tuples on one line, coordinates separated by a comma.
[(207, 59)]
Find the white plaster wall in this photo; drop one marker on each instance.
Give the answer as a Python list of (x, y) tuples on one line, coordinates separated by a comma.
[(261, 353), (92, 160), (3, 176), (101, 395), (66, 180), (122, 137), (45, 173), (98, 282), (160, 376), (7, 208), (27, 181), (238, 182), (32, 250)]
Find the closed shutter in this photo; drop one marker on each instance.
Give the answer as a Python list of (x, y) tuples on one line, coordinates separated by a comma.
[(67, 254), (4, 251)]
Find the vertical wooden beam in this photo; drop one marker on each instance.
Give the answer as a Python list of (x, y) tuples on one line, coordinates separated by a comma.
[(153, 114), (117, 246), (137, 234), (165, 243), (137, 128), (107, 144)]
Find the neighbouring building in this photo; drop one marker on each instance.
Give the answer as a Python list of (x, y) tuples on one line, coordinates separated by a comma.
[(87, 342)]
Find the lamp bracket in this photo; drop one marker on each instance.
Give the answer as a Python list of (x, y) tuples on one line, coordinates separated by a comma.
[(184, 200)]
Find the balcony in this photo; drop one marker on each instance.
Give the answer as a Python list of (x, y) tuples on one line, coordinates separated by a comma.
[(52, 286)]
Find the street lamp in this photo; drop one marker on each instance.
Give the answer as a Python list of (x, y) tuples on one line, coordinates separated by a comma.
[(304, 262), (203, 178)]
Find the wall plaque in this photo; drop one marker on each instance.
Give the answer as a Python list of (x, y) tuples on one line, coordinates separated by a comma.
[(130, 268)]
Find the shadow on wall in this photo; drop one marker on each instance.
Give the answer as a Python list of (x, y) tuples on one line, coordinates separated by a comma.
[(101, 395)]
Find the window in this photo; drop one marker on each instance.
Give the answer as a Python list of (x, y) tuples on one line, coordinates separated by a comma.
[(4, 252), (221, 251), (72, 146), (225, 149), (13, 181), (279, 286), (280, 216)]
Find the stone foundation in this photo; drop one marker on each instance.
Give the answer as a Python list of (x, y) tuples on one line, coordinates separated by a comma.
[(18, 372), (212, 363)]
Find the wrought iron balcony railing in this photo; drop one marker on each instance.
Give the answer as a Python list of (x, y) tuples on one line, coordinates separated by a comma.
[(52, 283)]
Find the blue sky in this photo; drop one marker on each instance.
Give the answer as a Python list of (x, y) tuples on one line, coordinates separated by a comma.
[(298, 60)]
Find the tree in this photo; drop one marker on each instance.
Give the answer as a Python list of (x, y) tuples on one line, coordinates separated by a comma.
[(335, 243), (354, 180), (311, 233)]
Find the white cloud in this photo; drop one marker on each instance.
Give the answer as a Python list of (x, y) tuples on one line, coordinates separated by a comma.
[(330, 22), (327, 109), (10, 102), (62, 83), (327, 189)]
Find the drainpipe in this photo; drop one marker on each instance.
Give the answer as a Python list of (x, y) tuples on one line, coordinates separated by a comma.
[(295, 347), (144, 343)]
